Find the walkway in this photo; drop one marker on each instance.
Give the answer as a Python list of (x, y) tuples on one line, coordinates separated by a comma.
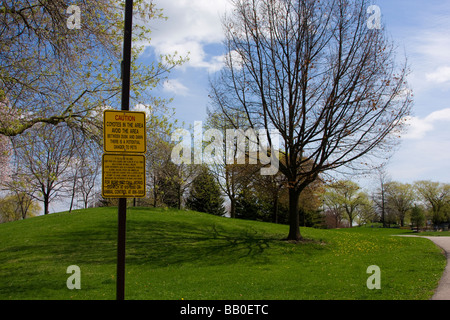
[(443, 290)]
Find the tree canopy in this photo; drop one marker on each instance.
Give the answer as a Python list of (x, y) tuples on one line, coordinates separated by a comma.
[(50, 73)]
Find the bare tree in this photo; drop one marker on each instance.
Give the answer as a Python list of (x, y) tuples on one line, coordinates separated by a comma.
[(89, 174), (314, 71), (232, 177), (44, 154), (379, 197), (84, 170)]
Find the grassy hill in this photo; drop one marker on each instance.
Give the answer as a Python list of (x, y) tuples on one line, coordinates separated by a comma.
[(175, 254)]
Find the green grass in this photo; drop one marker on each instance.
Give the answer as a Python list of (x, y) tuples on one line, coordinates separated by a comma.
[(175, 254), (434, 233)]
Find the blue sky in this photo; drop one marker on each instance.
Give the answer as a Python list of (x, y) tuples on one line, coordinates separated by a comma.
[(421, 29)]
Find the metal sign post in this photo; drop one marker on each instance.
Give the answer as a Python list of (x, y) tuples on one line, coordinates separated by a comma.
[(122, 211)]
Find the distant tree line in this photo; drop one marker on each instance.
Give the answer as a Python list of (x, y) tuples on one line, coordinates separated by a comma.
[(421, 204)]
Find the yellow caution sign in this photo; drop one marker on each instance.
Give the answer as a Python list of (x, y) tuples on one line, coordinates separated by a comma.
[(124, 131), (123, 176)]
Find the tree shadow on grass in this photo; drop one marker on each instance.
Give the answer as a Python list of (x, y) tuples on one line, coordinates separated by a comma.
[(42, 260), (150, 242), (156, 243), (199, 245)]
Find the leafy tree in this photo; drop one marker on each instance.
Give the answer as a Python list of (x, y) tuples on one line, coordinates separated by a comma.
[(52, 73), (367, 213), (205, 194), (333, 211), (167, 181), (170, 184), (346, 196), (158, 153), (436, 197), (400, 199), (316, 73), (13, 207)]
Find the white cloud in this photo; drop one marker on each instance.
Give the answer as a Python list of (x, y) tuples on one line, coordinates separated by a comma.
[(418, 127), (425, 150), (142, 107), (428, 55), (191, 25), (426, 159), (441, 115), (175, 86), (197, 20), (441, 75), (198, 58)]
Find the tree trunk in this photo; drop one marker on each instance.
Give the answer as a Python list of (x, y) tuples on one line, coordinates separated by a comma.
[(233, 207), (155, 194), (383, 214), (73, 193), (46, 204), (294, 221), (179, 193), (350, 219), (231, 191), (275, 207)]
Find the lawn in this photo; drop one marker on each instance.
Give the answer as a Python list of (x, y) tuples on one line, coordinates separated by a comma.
[(174, 254), (434, 233)]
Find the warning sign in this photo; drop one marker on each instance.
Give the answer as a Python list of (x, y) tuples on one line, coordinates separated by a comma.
[(123, 176), (124, 131)]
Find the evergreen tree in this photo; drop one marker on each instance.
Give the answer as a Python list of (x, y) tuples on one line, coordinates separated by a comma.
[(247, 205), (417, 217), (205, 194)]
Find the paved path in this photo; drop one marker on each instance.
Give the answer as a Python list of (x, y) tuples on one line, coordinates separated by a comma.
[(443, 290)]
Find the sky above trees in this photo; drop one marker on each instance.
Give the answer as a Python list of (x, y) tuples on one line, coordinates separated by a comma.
[(419, 29)]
